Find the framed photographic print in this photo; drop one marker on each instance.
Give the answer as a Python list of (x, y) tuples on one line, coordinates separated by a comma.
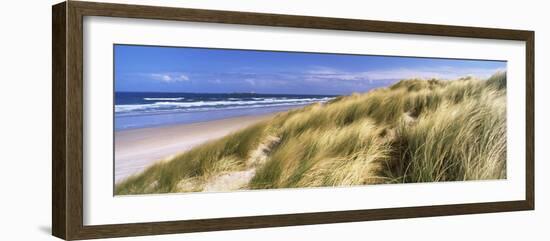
[(171, 120)]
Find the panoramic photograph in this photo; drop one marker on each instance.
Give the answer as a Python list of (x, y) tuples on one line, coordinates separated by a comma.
[(220, 120)]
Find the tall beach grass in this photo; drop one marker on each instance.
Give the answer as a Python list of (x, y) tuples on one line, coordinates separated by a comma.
[(413, 131)]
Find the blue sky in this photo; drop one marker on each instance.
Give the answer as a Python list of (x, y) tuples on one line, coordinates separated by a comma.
[(173, 69)]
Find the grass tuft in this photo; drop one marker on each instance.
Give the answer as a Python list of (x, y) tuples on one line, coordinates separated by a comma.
[(413, 131)]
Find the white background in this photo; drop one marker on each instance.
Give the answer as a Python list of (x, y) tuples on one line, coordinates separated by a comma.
[(101, 208), (25, 125)]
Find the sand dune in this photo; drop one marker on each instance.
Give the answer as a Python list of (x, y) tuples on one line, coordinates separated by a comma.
[(413, 131)]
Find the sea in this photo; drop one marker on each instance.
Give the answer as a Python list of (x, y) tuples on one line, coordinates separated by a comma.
[(141, 109)]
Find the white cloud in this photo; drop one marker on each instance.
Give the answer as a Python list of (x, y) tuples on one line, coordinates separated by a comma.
[(183, 77), (169, 77), (323, 74)]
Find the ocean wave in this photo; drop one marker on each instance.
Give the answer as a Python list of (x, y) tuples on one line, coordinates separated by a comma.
[(161, 99), (163, 106)]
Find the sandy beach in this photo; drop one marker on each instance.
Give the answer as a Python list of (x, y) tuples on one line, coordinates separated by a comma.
[(137, 149)]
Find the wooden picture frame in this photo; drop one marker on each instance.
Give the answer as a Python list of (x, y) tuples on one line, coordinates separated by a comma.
[(67, 124)]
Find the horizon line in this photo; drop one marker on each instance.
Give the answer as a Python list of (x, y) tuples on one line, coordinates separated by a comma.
[(246, 93)]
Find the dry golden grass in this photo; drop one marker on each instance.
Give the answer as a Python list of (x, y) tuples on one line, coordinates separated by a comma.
[(413, 131)]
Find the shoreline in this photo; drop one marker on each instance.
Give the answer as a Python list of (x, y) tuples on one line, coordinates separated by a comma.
[(137, 149), (128, 121)]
